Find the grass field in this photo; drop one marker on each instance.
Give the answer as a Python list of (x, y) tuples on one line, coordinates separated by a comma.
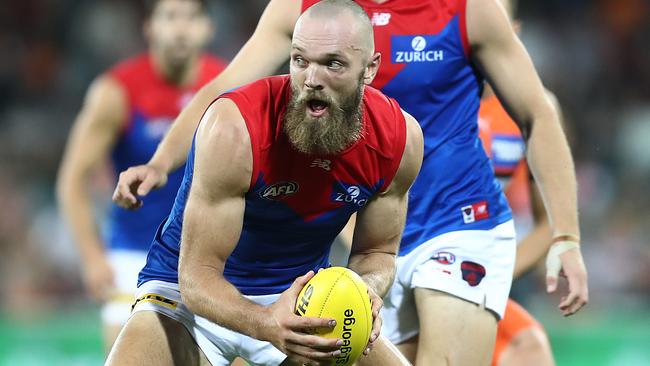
[(72, 338)]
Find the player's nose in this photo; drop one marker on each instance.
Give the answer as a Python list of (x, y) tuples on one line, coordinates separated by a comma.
[(313, 78)]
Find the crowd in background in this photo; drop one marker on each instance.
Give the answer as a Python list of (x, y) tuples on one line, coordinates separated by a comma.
[(594, 55)]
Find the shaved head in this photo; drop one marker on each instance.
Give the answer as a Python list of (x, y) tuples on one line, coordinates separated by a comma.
[(332, 59), (349, 12)]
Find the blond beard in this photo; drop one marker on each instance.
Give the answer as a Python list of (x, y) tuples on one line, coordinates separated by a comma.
[(326, 135)]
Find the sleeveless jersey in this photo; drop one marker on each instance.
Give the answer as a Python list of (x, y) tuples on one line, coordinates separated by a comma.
[(426, 67), (153, 104), (297, 203)]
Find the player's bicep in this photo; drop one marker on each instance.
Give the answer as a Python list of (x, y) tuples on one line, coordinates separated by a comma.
[(380, 224), (222, 171), (96, 127), (504, 61)]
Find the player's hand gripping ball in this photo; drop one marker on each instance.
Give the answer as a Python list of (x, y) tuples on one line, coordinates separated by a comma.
[(340, 294)]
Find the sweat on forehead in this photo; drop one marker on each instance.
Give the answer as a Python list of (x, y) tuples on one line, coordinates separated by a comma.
[(346, 11)]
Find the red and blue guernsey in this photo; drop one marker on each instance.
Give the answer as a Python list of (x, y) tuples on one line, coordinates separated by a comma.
[(297, 203), (153, 103), (426, 67)]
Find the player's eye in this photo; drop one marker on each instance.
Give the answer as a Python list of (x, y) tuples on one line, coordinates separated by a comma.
[(334, 65), (299, 61)]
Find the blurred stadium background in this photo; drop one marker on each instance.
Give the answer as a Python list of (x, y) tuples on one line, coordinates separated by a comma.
[(595, 55)]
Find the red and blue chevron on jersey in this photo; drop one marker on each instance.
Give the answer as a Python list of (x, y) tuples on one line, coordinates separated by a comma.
[(297, 203), (153, 103), (426, 67)]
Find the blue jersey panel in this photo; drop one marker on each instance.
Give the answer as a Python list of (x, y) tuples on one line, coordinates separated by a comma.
[(440, 87)]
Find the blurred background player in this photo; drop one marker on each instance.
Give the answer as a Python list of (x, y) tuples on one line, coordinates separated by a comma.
[(435, 56), (126, 113)]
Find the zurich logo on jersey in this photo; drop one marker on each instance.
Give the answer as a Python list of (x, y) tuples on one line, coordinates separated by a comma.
[(408, 49), (351, 195)]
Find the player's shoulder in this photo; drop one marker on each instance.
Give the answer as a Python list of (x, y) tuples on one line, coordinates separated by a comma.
[(262, 89), (375, 99), (306, 4), (131, 66)]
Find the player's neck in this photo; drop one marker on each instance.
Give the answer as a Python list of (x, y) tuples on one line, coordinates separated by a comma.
[(180, 75), (379, 1)]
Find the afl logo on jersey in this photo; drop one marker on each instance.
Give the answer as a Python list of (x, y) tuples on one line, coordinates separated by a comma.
[(408, 49), (279, 190)]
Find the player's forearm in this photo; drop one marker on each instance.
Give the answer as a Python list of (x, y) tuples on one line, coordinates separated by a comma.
[(533, 248), (208, 294), (172, 150), (77, 210), (552, 166), (376, 269)]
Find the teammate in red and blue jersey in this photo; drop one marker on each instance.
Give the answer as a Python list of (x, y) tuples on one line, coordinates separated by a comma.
[(521, 339), (275, 171), (126, 113), (457, 254)]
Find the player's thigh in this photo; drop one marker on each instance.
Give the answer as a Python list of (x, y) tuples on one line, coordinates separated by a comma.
[(453, 331), (152, 338), (110, 332), (383, 353), (528, 347), (409, 348)]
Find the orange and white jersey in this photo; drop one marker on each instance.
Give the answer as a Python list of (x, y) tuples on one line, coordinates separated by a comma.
[(506, 148)]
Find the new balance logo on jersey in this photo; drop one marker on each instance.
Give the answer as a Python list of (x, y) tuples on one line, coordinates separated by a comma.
[(408, 49), (322, 163), (279, 190), (475, 212), (380, 19), (352, 195)]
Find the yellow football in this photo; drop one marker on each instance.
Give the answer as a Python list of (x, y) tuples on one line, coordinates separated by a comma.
[(340, 294)]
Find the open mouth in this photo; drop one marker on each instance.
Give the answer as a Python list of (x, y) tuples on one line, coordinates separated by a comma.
[(317, 107)]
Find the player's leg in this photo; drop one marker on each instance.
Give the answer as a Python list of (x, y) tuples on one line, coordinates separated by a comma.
[(126, 265), (521, 340), (383, 353), (409, 348), (529, 347), (453, 331), (462, 280), (153, 338), (110, 333)]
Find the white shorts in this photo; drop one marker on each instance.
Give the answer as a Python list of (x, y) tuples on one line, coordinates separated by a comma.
[(475, 265), (126, 265), (220, 345)]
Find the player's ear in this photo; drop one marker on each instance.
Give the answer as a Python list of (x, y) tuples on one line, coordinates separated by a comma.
[(516, 25), (371, 68)]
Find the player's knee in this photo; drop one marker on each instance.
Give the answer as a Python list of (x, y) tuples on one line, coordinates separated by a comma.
[(533, 341)]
